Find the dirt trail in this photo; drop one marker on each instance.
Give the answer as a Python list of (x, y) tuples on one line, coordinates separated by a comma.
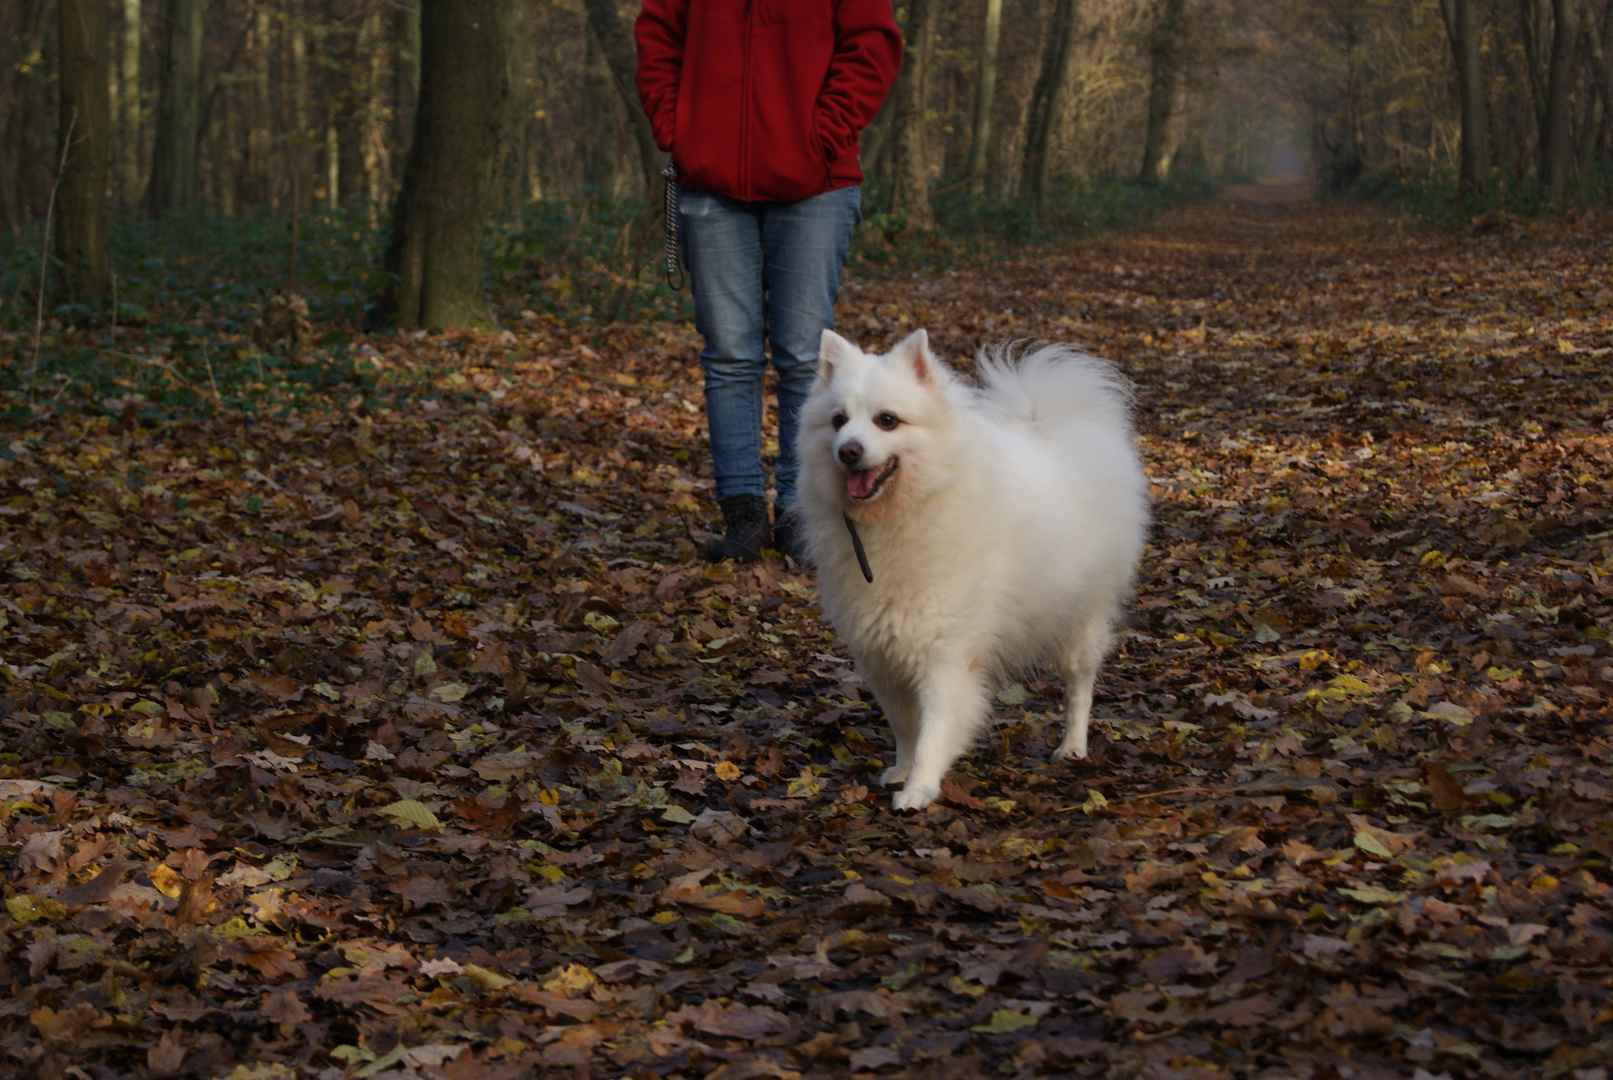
[(418, 743)]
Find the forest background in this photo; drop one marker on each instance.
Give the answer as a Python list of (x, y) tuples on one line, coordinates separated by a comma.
[(185, 149)]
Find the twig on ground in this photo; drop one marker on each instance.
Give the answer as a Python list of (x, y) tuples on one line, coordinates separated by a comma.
[(211, 381)]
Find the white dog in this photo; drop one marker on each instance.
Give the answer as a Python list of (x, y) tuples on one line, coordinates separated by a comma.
[(962, 535)]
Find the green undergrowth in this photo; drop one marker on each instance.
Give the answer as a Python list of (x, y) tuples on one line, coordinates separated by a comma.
[(972, 228), (188, 334), (1432, 197)]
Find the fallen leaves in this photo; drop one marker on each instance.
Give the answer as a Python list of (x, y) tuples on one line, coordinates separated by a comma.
[(413, 738)]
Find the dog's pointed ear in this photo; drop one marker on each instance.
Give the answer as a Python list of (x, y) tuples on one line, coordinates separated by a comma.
[(914, 350), (832, 349)]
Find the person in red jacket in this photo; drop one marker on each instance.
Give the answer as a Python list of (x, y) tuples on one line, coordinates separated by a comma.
[(761, 103)]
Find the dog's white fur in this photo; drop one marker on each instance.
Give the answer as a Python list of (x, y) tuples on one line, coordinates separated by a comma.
[(1007, 534)]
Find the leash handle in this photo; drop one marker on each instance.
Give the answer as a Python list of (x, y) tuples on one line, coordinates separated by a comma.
[(673, 268)]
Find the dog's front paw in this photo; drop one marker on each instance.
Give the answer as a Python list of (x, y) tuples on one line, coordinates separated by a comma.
[(915, 797), (896, 774), (1068, 751)]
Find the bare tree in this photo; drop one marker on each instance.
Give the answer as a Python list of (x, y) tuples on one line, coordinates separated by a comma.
[(985, 97), (1556, 132), (1047, 104), (1462, 26), (85, 134), (435, 255), (179, 105), (616, 43), (910, 192), (1164, 52), (129, 104)]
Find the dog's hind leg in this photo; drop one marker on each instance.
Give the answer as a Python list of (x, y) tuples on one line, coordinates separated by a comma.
[(896, 701), (953, 704), (1080, 672)]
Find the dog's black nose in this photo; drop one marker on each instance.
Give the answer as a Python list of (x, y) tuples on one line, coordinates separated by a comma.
[(851, 453)]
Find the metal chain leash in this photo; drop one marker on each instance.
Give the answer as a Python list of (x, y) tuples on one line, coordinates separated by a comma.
[(675, 277)]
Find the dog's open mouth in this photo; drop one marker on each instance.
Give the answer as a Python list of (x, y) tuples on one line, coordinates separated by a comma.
[(864, 484)]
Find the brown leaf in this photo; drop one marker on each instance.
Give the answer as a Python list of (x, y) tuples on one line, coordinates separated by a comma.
[(284, 1008), (166, 1057), (954, 793), (733, 1021), (425, 891), (627, 642), (1447, 791), (64, 1026), (278, 687), (98, 890), (559, 1005), (194, 899), (1245, 1012), (1179, 961), (553, 901), (734, 902)]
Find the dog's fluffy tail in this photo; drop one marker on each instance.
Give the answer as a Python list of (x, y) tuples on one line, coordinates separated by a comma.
[(1053, 384)]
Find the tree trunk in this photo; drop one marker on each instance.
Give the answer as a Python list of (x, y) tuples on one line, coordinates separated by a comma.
[(435, 254), (1556, 134), (179, 105), (985, 98), (622, 59), (1047, 104), (372, 141), (260, 118), (1601, 48), (876, 137), (1461, 22), (129, 105), (1164, 51), (300, 146), (408, 74), (84, 133), (910, 193)]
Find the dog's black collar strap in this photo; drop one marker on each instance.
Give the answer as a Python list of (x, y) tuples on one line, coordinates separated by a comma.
[(857, 546)]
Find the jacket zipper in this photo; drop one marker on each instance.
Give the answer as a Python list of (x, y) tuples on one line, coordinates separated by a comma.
[(745, 110)]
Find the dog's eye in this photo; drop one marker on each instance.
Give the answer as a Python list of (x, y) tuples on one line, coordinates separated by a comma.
[(887, 421), (839, 420)]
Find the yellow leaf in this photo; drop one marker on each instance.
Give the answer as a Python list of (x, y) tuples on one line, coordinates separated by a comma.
[(27, 908), (727, 770), (448, 693), (1005, 1022), (572, 981), (410, 814), (959, 986), (1372, 845), (166, 880), (487, 980), (1349, 684), (804, 786), (599, 622)]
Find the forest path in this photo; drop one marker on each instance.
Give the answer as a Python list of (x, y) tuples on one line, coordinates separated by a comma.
[(416, 741)]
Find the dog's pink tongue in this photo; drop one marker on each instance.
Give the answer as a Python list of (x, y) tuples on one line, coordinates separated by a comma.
[(860, 483)]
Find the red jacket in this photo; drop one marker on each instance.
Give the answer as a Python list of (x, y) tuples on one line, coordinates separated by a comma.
[(764, 99)]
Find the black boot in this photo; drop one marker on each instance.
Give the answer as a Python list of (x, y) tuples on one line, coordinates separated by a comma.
[(746, 533), (787, 538)]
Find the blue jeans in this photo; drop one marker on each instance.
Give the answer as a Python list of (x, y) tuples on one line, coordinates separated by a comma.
[(762, 274)]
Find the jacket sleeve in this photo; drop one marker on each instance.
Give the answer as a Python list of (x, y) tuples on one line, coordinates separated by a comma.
[(867, 56), (659, 33)]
